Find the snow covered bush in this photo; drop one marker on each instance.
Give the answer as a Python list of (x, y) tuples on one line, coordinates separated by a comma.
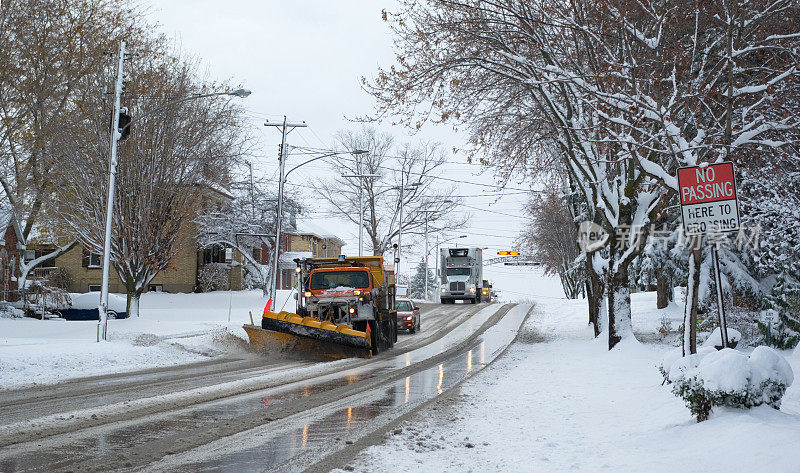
[(783, 304), (213, 277), (10, 312), (728, 378)]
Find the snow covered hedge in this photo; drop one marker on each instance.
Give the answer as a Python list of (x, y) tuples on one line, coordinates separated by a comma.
[(727, 378)]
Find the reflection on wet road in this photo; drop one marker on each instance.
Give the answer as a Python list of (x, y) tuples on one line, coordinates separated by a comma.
[(270, 446), (349, 405)]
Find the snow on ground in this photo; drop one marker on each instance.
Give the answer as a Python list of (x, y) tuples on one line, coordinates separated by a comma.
[(172, 329), (559, 401)]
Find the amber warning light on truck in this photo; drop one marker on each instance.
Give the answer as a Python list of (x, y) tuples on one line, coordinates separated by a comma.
[(708, 199)]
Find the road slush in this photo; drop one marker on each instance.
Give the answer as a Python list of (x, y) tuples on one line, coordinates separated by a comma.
[(708, 199)]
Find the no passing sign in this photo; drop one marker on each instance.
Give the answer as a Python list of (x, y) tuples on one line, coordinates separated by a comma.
[(708, 199)]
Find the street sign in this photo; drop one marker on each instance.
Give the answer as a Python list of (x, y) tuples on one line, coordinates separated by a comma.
[(708, 199)]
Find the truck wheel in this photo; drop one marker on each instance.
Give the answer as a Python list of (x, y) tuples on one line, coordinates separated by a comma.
[(375, 337), (473, 300), (394, 331)]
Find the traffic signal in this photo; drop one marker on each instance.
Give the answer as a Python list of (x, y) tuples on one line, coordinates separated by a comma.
[(124, 124)]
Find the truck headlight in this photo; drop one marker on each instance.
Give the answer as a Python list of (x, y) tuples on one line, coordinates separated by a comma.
[(357, 292), (444, 290), (352, 310), (307, 294), (472, 289)]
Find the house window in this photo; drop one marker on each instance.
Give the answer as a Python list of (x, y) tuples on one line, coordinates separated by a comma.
[(214, 254), (90, 260), (155, 288), (94, 288), (31, 255)]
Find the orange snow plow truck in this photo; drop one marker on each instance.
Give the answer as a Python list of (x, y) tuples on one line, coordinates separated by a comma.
[(345, 307)]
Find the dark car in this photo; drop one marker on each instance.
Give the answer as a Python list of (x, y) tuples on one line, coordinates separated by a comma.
[(407, 315)]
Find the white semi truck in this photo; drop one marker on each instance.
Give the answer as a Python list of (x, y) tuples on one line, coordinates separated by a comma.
[(461, 274)]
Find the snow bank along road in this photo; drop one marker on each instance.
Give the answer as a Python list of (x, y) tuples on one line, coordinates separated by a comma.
[(249, 413)]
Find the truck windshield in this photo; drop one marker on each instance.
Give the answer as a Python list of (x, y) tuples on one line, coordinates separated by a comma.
[(458, 271), (334, 279)]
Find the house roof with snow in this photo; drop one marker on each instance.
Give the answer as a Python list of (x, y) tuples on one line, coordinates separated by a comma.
[(305, 227), (290, 256), (217, 188), (7, 219)]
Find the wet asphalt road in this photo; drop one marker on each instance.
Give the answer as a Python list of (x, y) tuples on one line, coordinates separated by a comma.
[(249, 413)]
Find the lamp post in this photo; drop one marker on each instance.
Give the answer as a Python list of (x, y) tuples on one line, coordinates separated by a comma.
[(282, 180), (427, 251), (116, 134), (437, 249), (360, 207)]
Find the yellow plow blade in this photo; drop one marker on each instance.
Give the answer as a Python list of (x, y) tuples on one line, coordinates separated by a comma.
[(286, 331)]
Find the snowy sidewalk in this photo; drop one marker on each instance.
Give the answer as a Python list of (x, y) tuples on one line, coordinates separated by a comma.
[(559, 401), (173, 329)]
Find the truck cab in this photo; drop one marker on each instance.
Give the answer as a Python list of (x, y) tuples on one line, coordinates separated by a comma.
[(486, 289), (461, 274), (357, 291)]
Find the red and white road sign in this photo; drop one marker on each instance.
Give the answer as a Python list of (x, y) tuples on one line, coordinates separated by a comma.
[(708, 199)]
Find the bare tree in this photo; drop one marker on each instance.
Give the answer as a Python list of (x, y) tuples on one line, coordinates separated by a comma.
[(165, 168), (626, 92), (408, 166), (47, 50), (552, 238)]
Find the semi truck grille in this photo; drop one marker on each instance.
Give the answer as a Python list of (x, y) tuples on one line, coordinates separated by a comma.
[(458, 286)]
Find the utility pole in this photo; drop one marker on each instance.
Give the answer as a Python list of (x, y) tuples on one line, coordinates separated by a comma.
[(286, 128), (102, 325), (361, 208), (426, 212), (403, 188), (252, 196)]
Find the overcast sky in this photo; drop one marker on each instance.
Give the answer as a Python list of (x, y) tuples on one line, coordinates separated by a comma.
[(304, 59)]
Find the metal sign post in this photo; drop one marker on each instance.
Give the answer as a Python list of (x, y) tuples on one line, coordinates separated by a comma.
[(709, 206)]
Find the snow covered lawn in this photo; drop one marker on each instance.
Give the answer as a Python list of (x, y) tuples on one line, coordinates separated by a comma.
[(172, 329), (559, 401)]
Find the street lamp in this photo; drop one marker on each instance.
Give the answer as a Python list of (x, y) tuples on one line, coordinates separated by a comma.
[(427, 251), (116, 134), (282, 180)]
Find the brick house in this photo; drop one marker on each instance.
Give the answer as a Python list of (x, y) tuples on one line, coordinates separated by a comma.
[(9, 255), (304, 240), (84, 268)]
